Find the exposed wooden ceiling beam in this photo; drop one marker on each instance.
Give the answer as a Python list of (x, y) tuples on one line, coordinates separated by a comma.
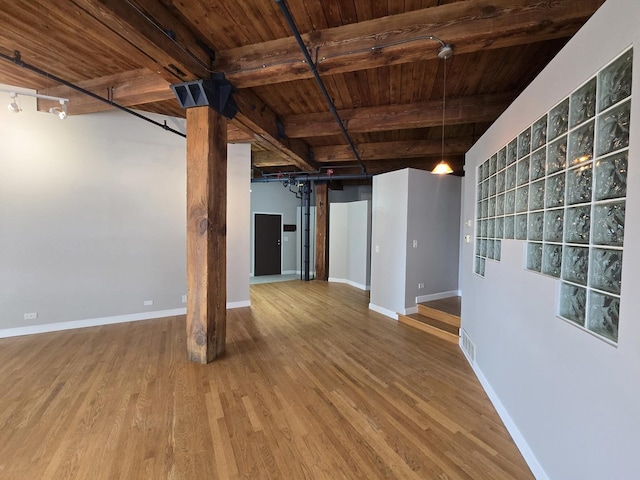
[(469, 26), (480, 108), (144, 23), (373, 151)]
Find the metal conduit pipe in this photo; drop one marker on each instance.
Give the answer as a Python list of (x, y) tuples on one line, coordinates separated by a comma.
[(314, 70), (313, 178), (17, 60)]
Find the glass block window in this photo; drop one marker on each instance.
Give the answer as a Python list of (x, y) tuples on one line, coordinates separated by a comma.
[(560, 186)]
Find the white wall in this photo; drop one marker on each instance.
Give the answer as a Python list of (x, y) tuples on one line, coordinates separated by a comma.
[(92, 215), (389, 242), (274, 198), (238, 223), (350, 243), (434, 222), (350, 193), (570, 399)]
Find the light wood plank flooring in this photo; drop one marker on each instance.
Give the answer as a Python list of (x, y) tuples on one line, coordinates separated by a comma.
[(313, 385)]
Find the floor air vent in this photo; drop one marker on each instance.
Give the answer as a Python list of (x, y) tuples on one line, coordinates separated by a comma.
[(468, 347)]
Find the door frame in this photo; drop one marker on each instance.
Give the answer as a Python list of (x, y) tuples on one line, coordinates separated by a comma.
[(253, 240)]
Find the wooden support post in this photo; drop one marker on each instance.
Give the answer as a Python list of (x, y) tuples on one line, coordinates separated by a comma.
[(206, 234), (322, 231)]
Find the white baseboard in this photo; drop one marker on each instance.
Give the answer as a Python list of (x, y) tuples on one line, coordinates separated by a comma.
[(92, 322), (437, 296), (350, 282), (383, 311), (97, 322), (288, 272), (514, 431), (245, 303), (411, 310)]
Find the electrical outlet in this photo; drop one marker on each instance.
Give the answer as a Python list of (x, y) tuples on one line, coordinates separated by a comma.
[(415, 244), (184, 299), (420, 286), (148, 303), (377, 248), (30, 316)]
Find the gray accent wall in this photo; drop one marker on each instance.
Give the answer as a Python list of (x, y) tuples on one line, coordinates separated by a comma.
[(92, 218), (570, 399)]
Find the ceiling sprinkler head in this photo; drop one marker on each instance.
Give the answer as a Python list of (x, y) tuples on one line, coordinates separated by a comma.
[(445, 51)]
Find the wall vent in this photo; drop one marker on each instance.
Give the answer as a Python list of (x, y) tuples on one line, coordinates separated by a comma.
[(468, 347)]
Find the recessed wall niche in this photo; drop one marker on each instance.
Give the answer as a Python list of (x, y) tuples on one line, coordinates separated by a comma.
[(561, 185)]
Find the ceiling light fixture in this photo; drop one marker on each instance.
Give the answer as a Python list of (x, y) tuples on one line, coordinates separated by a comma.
[(14, 107), (445, 51)]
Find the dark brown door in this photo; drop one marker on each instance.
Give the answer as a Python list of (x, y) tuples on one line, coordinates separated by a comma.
[(267, 244)]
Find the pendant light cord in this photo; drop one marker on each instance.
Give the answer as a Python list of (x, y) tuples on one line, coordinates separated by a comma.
[(444, 99)]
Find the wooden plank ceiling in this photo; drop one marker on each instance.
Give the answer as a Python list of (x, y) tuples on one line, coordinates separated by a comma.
[(374, 56)]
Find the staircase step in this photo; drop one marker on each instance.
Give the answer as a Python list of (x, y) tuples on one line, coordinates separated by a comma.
[(433, 326), (436, 314)]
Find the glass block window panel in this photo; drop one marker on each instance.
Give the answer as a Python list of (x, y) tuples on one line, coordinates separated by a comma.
[(613, 129), (521, 227), (583, 104), (510, 202), (538, 164), (573, 303), (482, 267), (512, 151), (493, 164), (510, 178), (483, 247), (490, 228), (492, 207), (579, 184), (483, 228), (577, 225), (534, 257), (492, 186), (500, 178), (539, 133), (499, 227), (509, 227), (490, 249), (604, 315), (553, 225), (477, 269), (500, 204), (575, 264), (606, 270), (557, 155), (522, 199), (497, 250), (614, 82), (522, 176), (502, 159), (558, 120), (536, 195), (552, 260), (581, 144), (554, 191), (611, 177), (536, 225), (524, 143), (608, 224)]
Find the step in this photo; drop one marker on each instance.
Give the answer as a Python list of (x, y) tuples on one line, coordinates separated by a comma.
[(446, 310), (435, 327)]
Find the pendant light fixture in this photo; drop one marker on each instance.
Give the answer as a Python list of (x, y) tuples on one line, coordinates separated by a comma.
[(446, 51)]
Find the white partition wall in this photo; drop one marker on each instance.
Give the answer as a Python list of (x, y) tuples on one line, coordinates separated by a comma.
[(415, 238), (350, 243), (568, 395)]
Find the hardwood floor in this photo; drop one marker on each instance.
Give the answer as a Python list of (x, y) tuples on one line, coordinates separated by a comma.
[(313, 385)]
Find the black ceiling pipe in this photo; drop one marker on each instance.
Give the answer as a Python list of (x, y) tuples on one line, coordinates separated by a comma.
[(314, 70), (17, 60), (312, 178)]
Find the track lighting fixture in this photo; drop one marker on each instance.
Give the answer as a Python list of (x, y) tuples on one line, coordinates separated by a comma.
[(14, 106)]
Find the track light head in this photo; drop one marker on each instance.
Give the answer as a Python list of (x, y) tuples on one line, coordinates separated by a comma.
[(13, 106), (61, 111)]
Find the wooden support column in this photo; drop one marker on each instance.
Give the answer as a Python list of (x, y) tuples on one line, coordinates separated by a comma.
[(322, 231), (206, 234)]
